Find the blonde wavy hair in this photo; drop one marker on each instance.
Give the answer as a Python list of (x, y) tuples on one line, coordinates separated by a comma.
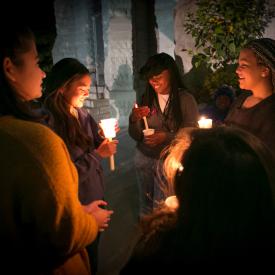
[(173, 156)]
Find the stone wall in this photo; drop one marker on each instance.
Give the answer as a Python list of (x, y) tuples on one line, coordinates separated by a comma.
[(79, 35), (164, 11), (118, 67), (144, 39), (99, 109), (74, 31)]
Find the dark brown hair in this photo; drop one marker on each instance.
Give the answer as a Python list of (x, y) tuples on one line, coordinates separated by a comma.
[(16, 40), (154, 66), (226, 192)]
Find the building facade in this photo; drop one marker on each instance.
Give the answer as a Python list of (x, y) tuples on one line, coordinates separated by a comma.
[(113, 38)]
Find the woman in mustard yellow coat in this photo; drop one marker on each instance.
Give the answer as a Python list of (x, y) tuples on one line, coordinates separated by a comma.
[(44, 229)]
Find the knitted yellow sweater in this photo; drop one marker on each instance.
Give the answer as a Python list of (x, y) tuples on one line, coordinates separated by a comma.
[(43, 227)]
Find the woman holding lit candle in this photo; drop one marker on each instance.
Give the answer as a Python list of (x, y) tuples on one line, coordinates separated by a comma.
[(224, 183), (167, 107), (66, 87), (255, 110)]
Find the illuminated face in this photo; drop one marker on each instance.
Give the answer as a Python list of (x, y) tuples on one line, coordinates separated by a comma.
[(28, 76), (249, 71), (77, 91), (161, 82)]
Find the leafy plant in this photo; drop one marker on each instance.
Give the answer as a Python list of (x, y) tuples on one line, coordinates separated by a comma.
[(221, 28), (224, 75)]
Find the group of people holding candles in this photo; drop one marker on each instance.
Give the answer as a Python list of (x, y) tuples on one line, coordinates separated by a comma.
[(52, 187)]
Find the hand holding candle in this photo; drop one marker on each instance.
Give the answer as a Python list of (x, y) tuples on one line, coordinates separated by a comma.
[(109, 128), (205, 122), (143, 117)]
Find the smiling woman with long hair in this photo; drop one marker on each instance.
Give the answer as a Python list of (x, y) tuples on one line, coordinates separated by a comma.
[(254, 109), (168, 107)]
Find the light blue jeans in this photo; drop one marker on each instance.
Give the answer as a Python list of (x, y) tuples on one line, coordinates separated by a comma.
[(151, 182)]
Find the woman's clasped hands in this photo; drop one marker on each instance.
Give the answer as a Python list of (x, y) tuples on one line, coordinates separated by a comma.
[(101, 215)]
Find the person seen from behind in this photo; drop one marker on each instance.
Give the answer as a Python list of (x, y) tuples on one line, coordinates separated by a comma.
[(224, 182)]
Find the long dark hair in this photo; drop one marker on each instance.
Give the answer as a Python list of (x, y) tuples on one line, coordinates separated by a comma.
[(154, 66), (226, 194), (63, 73), (16, 40)]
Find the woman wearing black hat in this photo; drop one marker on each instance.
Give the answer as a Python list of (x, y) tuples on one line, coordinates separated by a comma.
[(255, 110)]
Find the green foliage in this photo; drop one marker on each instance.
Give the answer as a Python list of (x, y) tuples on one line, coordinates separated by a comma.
[(221, 28), (202, 82), (224, 75), (194, 80)]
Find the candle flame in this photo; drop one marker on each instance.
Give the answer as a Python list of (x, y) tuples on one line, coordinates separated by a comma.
[(205, 122), (108, 126), (172, 202)]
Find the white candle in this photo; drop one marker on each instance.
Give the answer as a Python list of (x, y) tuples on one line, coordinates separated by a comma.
[(109, 128), (145, 123), (205, 122), (144, 119), (112, 160)]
